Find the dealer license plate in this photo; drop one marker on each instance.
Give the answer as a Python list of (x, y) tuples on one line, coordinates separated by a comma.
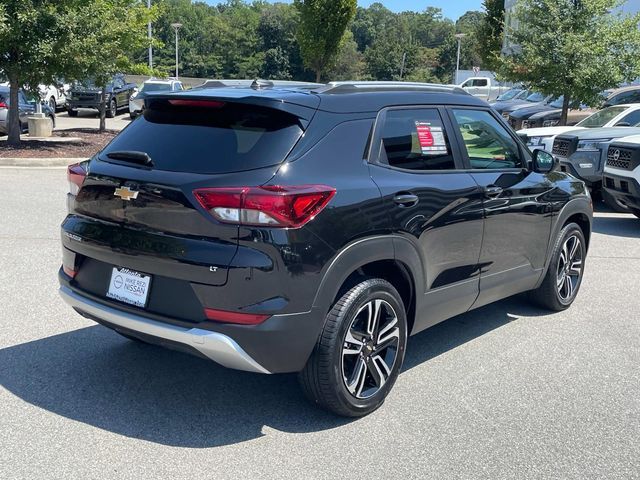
[(129, 286)]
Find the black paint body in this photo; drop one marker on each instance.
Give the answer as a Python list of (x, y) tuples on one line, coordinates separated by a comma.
[(457, 248)]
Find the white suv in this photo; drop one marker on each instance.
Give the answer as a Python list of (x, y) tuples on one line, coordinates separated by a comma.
[(616, 116), (136, 102), (622, 172)]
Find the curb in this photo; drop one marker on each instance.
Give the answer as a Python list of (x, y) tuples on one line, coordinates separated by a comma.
[(39, 162)]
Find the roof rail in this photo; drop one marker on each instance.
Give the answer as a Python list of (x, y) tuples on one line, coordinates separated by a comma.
[(256, 83), (359, 86)]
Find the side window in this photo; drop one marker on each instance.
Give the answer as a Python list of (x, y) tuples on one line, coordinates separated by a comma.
[(626, 97), (480, 82), (488, 143), (632, 119), (118, 82), (415, 139)]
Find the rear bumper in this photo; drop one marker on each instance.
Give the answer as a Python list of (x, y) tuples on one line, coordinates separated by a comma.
[(213, 345)]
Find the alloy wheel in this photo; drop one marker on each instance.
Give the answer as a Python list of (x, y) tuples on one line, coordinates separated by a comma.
[(569, 271), (370, 348)]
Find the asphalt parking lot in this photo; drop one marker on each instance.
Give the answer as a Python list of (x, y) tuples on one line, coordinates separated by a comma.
[(88, 118), (507, 391)]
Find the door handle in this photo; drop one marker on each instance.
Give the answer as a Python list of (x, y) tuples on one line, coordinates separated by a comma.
[(405, 199), (492, 191)]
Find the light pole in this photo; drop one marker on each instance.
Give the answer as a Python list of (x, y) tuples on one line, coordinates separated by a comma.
[(459, 36), (176, 27), (150, 36)]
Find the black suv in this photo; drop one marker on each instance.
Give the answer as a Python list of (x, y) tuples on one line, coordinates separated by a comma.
[(312, 228), (88, 95)]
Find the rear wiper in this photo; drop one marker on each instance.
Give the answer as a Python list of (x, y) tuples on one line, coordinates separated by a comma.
[(131, 156)]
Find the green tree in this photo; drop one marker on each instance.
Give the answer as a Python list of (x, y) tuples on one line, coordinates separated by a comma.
[(37, 38), (111, 28), (322, 25), (490, 34), (573, 48)]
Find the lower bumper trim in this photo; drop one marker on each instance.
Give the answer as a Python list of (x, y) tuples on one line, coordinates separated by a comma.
[(216, 346)]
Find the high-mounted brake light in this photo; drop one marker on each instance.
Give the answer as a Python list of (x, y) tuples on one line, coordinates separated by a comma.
[(76, 175), (269, 206), (197, 103), (234, 317)]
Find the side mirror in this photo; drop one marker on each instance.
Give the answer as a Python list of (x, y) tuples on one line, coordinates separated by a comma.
[(543, 162), (623, 124)]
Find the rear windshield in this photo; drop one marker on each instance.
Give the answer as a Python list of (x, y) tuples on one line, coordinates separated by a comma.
[(214, 138), (155, 87)]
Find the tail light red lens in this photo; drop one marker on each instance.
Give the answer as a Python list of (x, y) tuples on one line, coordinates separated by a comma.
[(68, 271), (3, 105), (234, 317), (269, 206), (76, 175)]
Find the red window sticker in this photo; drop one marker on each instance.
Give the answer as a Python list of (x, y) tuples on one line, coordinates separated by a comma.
[(431, 139)]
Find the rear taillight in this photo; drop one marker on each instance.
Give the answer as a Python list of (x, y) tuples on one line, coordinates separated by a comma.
[(269, 206), (225, 316), (76, 175), (3, 105), (69, 271)]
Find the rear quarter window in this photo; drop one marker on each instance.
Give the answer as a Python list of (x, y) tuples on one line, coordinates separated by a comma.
[(219, 138)]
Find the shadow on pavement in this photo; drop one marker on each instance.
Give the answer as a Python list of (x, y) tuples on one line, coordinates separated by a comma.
[(618, 225), (94, 376)]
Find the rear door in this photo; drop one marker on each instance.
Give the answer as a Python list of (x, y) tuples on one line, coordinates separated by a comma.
[(517, 205), (431, 202)]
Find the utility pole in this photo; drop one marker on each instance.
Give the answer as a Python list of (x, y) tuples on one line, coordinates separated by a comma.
[(459, 36), (404, 59), (176, 27), (149, 34)]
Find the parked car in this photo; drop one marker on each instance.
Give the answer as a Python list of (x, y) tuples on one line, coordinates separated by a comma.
[(513, 94), (242, 225), (624, 95), (136, 102), (550, 115), (54, 95), (25, 107), (583, 154), (535, 98), (620, 115), (516, 118), (87, 95), (622, 172), (483, 87)]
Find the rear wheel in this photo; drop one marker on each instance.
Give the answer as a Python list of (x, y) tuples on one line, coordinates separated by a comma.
[(360, 351), (564, 275), (52, 104), (612, 203), (113, 108)]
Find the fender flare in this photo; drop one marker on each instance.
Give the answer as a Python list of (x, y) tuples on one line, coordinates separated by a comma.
[(362, 252), (580, 205)]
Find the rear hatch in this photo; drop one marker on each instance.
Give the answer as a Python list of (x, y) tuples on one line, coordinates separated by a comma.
[(136, 209)]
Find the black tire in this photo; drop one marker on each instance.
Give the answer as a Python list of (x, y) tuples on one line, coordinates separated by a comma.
[(52, 104), (324, 377), (53, 120), (551, 294), (612, 203), (112, 111), (133, 116), (72, 113)]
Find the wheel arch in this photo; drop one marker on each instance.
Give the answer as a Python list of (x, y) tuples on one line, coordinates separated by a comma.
[(392, 258)]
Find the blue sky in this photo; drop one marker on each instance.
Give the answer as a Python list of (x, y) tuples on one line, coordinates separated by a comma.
[(451, 8)]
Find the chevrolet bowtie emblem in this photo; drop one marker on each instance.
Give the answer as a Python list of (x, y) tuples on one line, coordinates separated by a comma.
[(126, 193)]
